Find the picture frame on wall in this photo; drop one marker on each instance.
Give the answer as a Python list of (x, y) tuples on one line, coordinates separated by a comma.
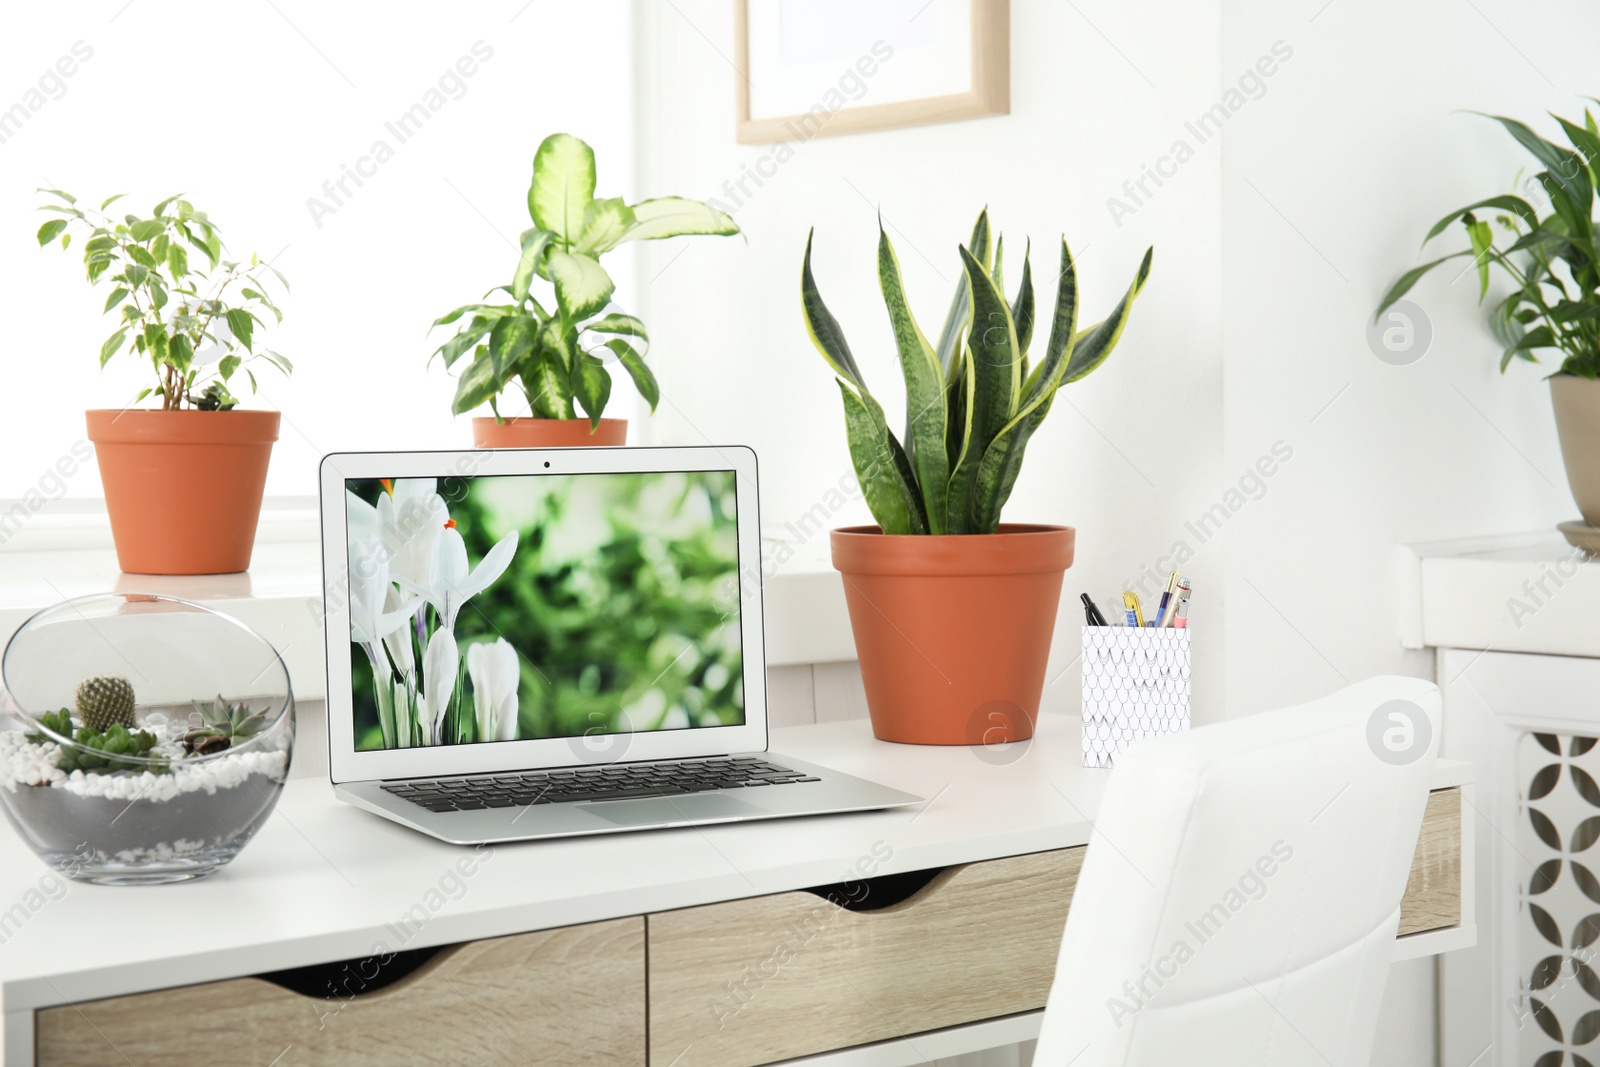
[(814, 68)]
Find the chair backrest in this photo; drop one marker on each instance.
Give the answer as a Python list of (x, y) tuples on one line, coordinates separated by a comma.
[(1239, 900)]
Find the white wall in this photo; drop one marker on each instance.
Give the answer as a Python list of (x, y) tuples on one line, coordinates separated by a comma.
[(1128, 454), (250, 108)]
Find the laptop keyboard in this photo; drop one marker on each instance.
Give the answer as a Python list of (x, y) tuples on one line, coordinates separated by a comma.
[(620, 781)]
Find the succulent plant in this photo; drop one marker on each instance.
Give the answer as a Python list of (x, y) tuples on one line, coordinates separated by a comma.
[(106, 701), (98, 751), (222, 723)]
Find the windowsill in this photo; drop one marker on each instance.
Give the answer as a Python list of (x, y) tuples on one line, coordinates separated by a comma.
[(67, 554)]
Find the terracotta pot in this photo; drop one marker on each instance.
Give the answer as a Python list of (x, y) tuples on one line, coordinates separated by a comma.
[(183, 488), (953, 632), (547, 433), (1577, 405)]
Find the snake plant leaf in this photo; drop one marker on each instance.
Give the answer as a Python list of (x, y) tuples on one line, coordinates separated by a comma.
[(1513, 204), (480, 382), (534, 243), (824, 328), (1094, 345), (604, 223), (875, 466), (1403, 284), (582, 285), (993, 366), (997, 272), (591, 387), (674, 216), (1063, 333), (634, 364), (956, 418), (1565, 166), (510, 340), (563, 185), (924, 378), (959, 316), (1002, 462), (1022, 309)]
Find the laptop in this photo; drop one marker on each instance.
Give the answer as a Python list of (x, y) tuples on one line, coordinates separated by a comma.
[(529, 644)]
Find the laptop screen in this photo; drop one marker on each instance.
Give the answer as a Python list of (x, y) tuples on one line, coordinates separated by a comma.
[(506, 608)]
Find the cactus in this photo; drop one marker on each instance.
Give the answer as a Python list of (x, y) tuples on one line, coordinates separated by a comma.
[(105, 702), (222, 724)]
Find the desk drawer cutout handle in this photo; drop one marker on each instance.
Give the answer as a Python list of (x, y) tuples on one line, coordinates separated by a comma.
[(363, 976), (883, 892)]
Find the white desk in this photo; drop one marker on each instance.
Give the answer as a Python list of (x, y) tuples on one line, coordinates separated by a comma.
[(324, 881)]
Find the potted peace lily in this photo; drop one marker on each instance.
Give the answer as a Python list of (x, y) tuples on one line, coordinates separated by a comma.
[(952, 610), (558, 355), (1553, 264), (183, 483)]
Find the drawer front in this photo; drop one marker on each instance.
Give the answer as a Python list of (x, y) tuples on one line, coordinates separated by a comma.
[(767, 978), (1433, 889), (569, 996)]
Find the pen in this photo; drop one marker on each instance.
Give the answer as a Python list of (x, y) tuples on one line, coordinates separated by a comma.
[(1091, 613), (1166, 599), (1182, 613), (1130, 603)]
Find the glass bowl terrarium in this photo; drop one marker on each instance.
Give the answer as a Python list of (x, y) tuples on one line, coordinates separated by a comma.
[(145, 738)]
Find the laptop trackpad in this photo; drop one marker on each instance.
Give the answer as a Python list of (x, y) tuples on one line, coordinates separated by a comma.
[(659, 810)]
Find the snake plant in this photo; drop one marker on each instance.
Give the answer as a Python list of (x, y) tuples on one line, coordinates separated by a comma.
[(560, 355), (972, 401)]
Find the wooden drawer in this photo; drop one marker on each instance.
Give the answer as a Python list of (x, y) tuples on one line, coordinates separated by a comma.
[(751, 981), (1433, 890), (568, 996)]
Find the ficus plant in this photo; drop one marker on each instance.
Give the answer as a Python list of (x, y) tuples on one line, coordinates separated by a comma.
[(1552, 260), (973, 400), (194, 322), (558, 352)]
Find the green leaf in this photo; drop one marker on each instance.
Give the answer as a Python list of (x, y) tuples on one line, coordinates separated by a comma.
[(548, 388), (563, 185), (509, 341), (591, 387), (959, 317), (534, 243), (180, 351), (1063, 334), (279, 361), (1022, 307), (616, 322), (113, 343), (227, 365), (68, 197), (582, 286), (1514, 204), (993, 370), (1563, 165), (241, 325), (463, 342), (924, 378), (674, 216), (604, 223), (142, 257), (118, 295), (147, 229), (1482, 238), (824, 328), (477, 385), (1002, 462), (51, 230), (1403, 284), (1094, 345), (874, 465), (634, 364), (178, 263)]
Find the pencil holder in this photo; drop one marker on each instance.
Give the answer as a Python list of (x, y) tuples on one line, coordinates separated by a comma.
[(1135, 685)]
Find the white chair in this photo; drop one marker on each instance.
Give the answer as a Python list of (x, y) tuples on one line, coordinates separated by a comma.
[(1241, 892)]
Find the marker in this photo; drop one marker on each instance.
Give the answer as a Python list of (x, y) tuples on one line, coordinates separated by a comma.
[(1181, 622), (1091, 613), (1180, 592), (1130, 603)]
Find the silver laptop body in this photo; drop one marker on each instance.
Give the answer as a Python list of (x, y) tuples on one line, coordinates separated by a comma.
[(528, 644)]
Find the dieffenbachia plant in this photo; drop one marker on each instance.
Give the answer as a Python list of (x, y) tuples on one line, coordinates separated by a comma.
[(972, 402), (1555, 299), (560, 356)]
